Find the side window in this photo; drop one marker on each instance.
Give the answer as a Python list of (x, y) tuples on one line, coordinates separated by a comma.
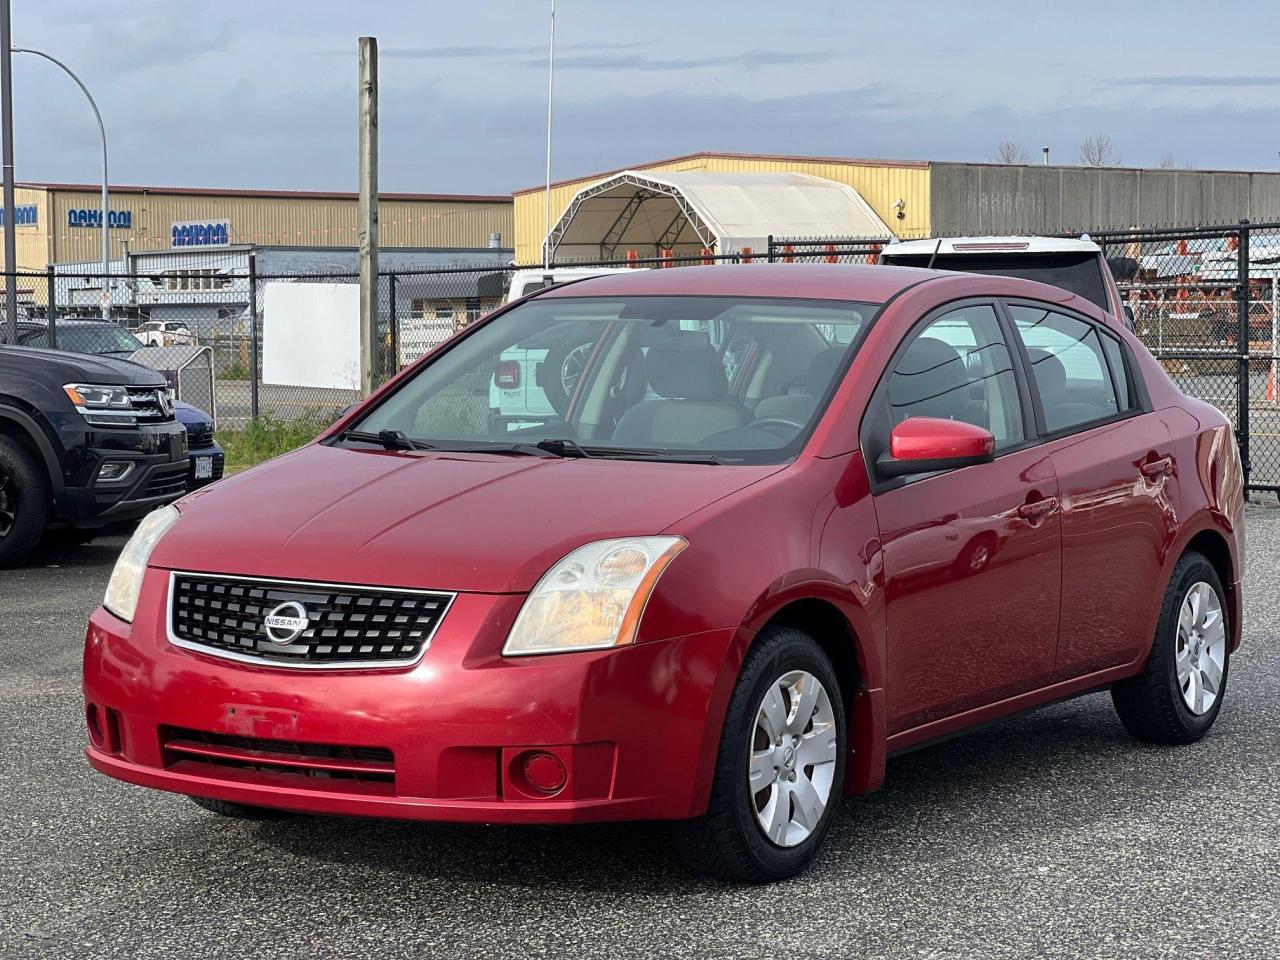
[(1068, 366), (959, 368), (1115, 354)]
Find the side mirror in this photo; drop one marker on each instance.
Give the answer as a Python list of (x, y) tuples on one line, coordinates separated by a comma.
[(1129, 319), (929, 444)]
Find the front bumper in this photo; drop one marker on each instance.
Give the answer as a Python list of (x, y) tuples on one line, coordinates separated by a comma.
[(217, 462), (158, 455), (630, 726)]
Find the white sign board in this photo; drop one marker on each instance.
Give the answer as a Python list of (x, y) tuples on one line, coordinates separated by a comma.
[(311, 334)]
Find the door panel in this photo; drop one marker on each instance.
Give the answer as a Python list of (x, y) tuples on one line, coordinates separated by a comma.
[(1119, 508), (971, 586)]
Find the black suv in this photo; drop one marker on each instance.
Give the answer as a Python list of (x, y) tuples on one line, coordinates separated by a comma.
[(85, 442)]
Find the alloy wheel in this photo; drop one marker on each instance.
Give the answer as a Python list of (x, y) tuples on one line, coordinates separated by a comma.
[(792, 762), (1201, 651)]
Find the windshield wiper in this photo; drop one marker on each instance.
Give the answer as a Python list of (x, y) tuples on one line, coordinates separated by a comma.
[(645, 453), (564, 447), (387, 439)]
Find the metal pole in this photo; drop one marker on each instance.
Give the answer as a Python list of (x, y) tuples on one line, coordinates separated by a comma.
[(253, 336), (102, 130), (394, 328), (1242, 347), (367, 215), (551, 80), (52, 299), (10, 213)]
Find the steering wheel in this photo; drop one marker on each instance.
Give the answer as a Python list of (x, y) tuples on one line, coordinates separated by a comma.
[(769, 423)]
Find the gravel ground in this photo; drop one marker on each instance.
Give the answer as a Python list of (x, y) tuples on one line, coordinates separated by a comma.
[(1050, 835)]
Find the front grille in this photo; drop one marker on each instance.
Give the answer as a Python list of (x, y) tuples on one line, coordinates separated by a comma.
[(347, 626), (200, 436), (367, 769), (167, 481), (151, 405)]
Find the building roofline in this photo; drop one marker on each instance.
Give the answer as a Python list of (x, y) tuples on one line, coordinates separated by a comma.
[(264, 194), (849, 161), (1080, 166)]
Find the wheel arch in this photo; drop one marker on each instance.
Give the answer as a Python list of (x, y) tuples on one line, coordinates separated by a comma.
[(25, 430), (1211, 535)]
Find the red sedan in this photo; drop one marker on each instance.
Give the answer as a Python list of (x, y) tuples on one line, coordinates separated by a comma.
[(784, 523)]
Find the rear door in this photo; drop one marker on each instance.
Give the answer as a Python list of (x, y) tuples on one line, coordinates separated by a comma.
[(1116, 470), (971, 556)]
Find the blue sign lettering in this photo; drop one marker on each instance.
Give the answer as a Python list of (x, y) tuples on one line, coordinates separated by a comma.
[(215, 233), (116, 219), (24, 216)]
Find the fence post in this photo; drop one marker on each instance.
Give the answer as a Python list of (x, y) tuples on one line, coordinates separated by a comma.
[(253, 336), (770, 249), (393, 366), (1242, 347), (52, 301)]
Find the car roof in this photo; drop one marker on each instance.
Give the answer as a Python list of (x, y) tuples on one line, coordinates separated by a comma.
[(993, 244), (869, 284), (838, 281)]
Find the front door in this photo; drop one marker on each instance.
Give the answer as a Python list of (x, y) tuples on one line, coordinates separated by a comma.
[(972, 557)]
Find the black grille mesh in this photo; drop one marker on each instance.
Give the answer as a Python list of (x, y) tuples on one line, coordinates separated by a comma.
[(356, 625), (199, 436)]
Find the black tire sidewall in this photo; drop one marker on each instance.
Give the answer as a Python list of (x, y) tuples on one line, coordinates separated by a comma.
[(1193, 570), (30, 484), (785, 651)]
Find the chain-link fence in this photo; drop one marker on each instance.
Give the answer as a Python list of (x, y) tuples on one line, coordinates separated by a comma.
[(245, 344)]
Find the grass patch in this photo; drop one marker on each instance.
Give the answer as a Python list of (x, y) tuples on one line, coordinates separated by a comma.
[(268, 437)]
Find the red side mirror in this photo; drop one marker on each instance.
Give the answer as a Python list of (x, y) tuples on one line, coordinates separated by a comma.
[(929, 444)]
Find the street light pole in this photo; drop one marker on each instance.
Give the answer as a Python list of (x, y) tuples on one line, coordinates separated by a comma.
[(102, 130), (551, 81), (10, 214)]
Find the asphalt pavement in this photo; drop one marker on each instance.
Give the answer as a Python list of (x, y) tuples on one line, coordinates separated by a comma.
[(1049, 835)]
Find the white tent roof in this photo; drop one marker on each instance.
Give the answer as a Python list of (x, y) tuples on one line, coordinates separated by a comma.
[(648, 211)]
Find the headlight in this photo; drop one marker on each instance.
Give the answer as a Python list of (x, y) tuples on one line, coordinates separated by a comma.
[(593, 598), (103, 406), (126, 578)]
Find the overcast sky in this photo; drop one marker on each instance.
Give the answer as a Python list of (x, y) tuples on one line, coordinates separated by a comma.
[(263, 94)]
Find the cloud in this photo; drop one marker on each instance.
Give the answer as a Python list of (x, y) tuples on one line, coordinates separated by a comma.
[(748, 58), (1194, 80), (488, 51)]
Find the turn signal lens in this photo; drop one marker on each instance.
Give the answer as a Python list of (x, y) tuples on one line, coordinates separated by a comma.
[(593, 598)]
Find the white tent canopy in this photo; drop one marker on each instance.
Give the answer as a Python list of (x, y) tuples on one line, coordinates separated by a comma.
[(688, 211)]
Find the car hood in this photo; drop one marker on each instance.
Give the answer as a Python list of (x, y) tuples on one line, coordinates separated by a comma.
[(92, 368), (451, 521)]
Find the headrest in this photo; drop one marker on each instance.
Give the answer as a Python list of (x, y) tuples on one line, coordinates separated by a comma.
[(822, 369), (1050, 374), (930, 369), (685, 366)]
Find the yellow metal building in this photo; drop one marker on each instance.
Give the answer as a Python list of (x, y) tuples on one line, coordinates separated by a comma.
[(61, 223), (881, 183)]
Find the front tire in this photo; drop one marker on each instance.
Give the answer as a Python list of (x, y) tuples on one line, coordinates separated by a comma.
[(1177, 696), (780, 767), (24, 502), (238, 811)]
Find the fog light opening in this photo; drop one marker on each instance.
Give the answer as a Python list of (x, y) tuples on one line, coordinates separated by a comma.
[(543, 772), (95, 725), (112, 471)]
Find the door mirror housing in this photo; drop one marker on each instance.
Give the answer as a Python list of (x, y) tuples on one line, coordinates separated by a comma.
[(930, 444)]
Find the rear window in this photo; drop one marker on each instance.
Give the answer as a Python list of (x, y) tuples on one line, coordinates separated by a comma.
[(1080, 273)]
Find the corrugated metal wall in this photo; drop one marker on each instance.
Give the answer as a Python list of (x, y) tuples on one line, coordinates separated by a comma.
[(270, 220), (986, 198), (880, 184)]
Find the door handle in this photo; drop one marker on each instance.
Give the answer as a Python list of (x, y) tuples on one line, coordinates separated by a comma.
[(1155, 469), (1038, 508)]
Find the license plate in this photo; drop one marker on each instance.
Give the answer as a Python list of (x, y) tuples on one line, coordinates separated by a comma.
[(204, 468)]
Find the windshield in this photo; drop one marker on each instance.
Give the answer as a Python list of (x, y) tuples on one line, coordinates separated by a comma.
[(98, 338), (1080, 273), (718, 379)]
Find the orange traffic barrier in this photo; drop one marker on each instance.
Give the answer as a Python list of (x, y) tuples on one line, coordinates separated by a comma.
[(706, 257), (788, 249), (873, 258), (1271, 384), (667, 255), (831, 254), (632, 257), (746, 254)]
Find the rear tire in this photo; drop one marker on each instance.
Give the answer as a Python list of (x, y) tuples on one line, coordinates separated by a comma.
[(742, 837), (24, 502), (238, 811), (1176, 698)]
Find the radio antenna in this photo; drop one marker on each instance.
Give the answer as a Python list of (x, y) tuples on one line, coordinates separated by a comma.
[(936, 248)]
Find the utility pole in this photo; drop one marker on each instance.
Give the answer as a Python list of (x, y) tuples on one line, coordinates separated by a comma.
[(368, 215), (10, 213), (551, 86)]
